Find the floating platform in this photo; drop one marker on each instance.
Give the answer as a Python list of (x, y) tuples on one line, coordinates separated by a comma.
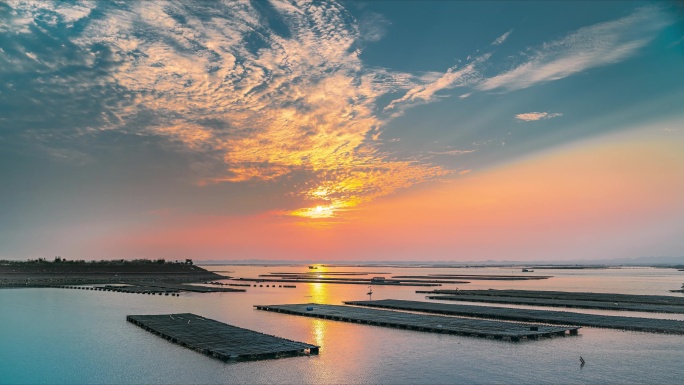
[(527, 315), (153, 288), (568, 303), (196, 289), (507, 331), (476, 277), (568, 295), (138, 289), (220, 340)]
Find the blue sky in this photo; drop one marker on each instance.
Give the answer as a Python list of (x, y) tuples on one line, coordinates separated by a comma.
[(114, 112)]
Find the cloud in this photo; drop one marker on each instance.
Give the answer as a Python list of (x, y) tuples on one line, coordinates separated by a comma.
[(597, 45), (373, 26), (594, 46), (454, 77), (533, 116), (451, 152), (499, 40), (263, 91)]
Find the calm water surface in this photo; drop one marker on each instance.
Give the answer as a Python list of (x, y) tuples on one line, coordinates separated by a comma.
[(73, 336)]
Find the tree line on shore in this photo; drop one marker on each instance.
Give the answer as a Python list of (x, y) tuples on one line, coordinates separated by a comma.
[(101, 262)]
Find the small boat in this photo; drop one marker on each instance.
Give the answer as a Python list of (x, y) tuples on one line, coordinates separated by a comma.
[(313, 267), (527, 271)]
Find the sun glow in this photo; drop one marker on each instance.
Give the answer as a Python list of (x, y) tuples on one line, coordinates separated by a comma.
[(317, 212)]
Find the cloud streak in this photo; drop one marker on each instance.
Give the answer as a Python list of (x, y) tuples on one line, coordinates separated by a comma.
[(454, 77), (594, 46), (589, 47), (499, 40), (533, 116)]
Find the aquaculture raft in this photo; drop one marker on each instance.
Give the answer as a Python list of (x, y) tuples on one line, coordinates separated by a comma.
[(601, 305), (508, 331), (667, 300), (527, 315), (220, 340)]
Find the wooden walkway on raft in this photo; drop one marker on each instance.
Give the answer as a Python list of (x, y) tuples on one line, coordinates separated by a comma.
[(508, 331), (220, 340), (526, 315)]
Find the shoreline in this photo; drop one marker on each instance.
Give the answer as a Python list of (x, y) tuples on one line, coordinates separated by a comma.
[(47, 274)]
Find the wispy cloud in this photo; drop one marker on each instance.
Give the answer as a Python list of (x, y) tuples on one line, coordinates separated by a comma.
[(452, 152), (454, 77), (589, 47), (594, 46), (372, 26), (499, 40), (532, 116)]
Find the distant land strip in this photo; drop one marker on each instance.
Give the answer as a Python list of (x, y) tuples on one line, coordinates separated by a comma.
[(368, 280), (44, 273), (278, 274), (346, 281)]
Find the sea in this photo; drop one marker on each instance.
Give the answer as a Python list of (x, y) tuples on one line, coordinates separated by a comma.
[(62, 336)]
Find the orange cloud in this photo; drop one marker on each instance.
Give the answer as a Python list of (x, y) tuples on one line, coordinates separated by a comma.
[(302, 103)]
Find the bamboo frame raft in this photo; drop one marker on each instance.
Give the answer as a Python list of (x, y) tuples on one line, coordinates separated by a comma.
[(507, 331), (220, 340), (527, 315)]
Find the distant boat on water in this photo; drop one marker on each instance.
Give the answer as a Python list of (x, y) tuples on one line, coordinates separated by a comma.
[(527, 271), (313, 267)]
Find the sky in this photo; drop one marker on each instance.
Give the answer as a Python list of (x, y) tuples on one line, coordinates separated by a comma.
[(348, 131)]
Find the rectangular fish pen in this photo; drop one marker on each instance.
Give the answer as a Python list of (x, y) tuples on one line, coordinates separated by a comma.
[(500, 330), (220, 340)]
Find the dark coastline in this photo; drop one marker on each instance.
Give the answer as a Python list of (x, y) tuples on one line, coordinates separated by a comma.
[(41, 273)]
